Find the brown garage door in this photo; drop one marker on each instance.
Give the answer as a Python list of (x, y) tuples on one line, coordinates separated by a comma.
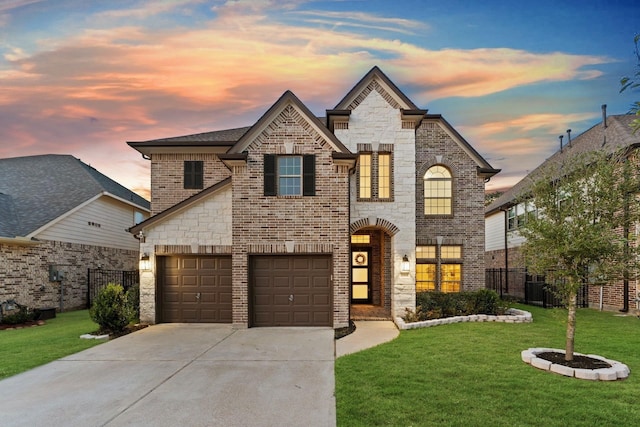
[(291, 290), (196, 289)]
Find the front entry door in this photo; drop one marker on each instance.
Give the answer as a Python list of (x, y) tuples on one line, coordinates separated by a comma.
[(360, 276)]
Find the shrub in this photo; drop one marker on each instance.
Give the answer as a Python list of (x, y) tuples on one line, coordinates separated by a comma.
[(23, 315), (436, 305), (111, 309), (133, 298)]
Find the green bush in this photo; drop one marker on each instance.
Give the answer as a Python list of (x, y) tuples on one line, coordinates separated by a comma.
[(436, 305), (133, 298), (23, 315), (111, 309)]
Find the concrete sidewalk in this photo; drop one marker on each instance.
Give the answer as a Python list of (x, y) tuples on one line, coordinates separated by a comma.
[(183, 375), (368, 333)]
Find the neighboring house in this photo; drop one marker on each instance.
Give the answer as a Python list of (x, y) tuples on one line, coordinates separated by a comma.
[(295, 218), (59, 217), (506, 214)]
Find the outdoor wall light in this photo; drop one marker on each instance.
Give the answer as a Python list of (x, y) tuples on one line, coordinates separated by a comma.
[(145, 263), (404, 267)]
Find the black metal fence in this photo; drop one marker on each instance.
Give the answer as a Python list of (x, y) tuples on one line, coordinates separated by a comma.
[(530, 289), (98, 278)]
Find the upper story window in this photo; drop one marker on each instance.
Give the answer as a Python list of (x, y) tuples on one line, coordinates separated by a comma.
[(193, 174), (289, 175), (437, 191), (365, 176), (384, 175), (374, 176), (517, 215)]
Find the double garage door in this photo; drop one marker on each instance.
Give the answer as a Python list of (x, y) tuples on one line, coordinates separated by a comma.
[(283, 290)]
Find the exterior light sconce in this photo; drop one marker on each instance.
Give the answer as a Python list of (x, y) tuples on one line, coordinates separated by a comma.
[(145, 263), (404, 267)]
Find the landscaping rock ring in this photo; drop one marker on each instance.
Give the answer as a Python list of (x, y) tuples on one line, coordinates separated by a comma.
[(614, 371)]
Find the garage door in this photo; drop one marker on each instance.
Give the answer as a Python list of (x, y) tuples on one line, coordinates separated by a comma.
[(196, 289), (291, 290)]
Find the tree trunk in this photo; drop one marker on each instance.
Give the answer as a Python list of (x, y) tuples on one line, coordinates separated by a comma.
[(571, 326)]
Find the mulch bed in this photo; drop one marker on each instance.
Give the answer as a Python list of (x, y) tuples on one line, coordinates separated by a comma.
[(343, 332), (4, 326), (127, 330), (578, 362)]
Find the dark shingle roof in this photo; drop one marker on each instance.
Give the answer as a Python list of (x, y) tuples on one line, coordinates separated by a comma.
[(38, 189), (618, 135), (223, 137)]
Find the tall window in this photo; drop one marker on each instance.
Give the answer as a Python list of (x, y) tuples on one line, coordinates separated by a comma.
[(193, 174), (384, 175), (289, 175), (439, 268), (375, 176), (437, 191), (365, 176)]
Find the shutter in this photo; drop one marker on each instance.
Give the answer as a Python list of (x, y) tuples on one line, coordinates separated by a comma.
[(269, 175), (309, 175)]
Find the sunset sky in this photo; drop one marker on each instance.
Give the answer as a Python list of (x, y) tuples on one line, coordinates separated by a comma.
[(82, 77)]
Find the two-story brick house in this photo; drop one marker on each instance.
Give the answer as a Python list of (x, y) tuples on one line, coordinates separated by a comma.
[(293, 219)]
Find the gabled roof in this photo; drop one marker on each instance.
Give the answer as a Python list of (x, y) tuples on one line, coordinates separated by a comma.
[(180, 206), (36, 190), (287, 98), (376, 74), (484, 168), (216, 141), (616, 136)]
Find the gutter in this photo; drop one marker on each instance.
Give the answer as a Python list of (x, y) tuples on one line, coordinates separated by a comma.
[(19, 241)]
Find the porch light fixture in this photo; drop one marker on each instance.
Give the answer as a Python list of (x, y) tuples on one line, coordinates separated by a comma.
[(145, 263), (404, 267)]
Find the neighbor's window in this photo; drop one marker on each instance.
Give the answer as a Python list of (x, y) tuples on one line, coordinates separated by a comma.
[(193, 174), (365, 176), (289, 175), (437, 191)]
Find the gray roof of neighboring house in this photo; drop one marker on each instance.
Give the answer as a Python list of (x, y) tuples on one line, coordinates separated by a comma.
[(617, 135), (35, 190)]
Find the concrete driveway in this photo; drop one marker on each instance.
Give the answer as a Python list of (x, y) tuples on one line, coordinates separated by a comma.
[(183, 375)]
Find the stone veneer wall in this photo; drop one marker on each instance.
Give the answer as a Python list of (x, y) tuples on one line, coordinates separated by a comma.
[(376, 120), (204, 228), (24, 275), (465, 227), (167, 178), (303, 224)]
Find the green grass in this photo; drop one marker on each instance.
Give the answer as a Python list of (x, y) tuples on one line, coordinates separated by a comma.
[(471, 374), (23, 349)]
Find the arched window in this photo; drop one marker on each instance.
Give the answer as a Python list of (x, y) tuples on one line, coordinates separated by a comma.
[(437, 191)]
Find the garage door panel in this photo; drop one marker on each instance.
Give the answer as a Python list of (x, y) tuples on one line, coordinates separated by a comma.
[(273, 279), (196, 289)]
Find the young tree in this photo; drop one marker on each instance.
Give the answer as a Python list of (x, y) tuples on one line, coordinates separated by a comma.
[(583, 206), (633, 83)]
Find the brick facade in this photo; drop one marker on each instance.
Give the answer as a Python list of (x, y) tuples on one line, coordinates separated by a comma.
[(314, 224), (25, 273), (465, 227), (167, 170)]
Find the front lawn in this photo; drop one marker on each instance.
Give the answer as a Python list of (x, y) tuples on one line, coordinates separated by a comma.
[(23, 349), (471, 374)]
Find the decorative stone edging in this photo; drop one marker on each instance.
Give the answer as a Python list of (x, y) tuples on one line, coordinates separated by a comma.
[(94, 337), (617, 370), (512, 315)]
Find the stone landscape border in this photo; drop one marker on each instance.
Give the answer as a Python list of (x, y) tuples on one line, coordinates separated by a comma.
[(617, 370), (512, 315)]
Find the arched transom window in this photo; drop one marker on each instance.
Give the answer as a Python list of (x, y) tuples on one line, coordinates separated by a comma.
[(437, 191)]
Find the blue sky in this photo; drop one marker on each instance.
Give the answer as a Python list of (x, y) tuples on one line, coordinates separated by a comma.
[(83, 77)]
